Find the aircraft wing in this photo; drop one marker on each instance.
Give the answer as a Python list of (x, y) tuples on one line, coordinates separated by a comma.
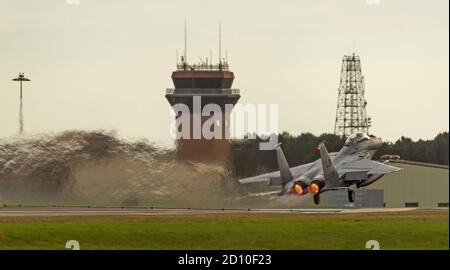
[(273, 178), (362, 168)]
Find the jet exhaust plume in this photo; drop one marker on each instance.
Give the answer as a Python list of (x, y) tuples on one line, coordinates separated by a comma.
[(97, 168)]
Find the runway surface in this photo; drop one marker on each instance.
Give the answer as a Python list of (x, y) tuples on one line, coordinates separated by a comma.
[(93, 211)]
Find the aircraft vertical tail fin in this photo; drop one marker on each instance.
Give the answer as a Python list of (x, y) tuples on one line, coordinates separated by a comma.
[(329, 170), (285, 171)]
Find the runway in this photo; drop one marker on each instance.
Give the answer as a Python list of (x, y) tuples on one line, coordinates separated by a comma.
[(103, 211)]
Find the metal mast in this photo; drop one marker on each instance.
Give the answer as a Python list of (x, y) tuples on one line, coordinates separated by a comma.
[(351, 116), (21, 78)]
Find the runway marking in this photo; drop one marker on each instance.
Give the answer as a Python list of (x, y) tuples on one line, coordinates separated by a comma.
[(78, 211)]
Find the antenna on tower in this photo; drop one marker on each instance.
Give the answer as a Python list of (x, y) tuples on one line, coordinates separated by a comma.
[(185, 42), (220, 43)]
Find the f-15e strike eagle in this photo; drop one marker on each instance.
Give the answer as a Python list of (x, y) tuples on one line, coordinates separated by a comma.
[(352, 165)]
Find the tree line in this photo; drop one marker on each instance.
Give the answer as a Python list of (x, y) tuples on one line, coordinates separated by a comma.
[(249, 160)]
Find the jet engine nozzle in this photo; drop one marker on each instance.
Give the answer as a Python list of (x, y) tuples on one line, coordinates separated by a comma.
[(316, 186), (299, 188)]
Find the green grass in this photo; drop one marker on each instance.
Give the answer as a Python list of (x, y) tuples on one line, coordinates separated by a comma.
[(400, 230)]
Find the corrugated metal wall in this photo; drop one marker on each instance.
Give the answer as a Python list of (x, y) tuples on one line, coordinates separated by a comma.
[(426, 186), (364, 198)]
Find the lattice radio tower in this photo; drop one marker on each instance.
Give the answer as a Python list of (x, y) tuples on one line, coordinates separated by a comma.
[(351, 116)]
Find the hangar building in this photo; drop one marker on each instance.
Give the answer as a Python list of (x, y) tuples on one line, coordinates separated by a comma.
[(417, 185)]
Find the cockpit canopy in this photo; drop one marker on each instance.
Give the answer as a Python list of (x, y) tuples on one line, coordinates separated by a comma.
[(356, 138)]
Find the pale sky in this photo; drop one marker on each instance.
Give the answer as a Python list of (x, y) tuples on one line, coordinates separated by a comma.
[(104, 64)]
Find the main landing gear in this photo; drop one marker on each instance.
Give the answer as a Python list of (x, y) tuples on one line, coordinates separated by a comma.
[(316, 199), (351, 195)]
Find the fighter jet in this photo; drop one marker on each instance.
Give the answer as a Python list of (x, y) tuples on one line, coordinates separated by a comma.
[(351, 166)]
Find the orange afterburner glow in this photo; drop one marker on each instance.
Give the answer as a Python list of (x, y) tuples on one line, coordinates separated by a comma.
[(297, 189), (314, 188)]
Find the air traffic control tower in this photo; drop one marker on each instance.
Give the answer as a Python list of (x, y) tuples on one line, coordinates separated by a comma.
[(212, 84)]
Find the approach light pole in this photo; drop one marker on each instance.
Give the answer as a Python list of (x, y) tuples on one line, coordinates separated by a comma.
[(21, 78)]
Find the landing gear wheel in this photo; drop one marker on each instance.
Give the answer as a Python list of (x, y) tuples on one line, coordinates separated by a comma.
[(317, 199), (351, 196)]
